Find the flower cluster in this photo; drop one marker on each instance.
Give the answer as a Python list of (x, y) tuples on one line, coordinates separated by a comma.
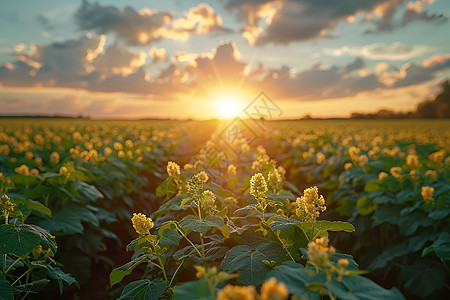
[(396, 172), (173, 169), (209, 202), (234, 292), (258, 187), (270, 290), (195, 187), (141, 224), (412, 160), (6, 206), (382, 175), (310, 205), (427, 194)]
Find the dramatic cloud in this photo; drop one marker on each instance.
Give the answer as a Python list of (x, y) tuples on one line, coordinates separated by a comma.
[(146, 26), (384, 13), (285, 21), (158, 54), (86, 64)]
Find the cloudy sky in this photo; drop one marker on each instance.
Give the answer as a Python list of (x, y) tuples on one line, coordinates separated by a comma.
[(178, 58)]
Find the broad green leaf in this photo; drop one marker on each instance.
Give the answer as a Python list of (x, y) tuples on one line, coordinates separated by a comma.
[(169, 237), (353, 265), (372, 186), (88, 192), (18, 240), (68, 220), (280, 223), (31, 204), (249, 262), (5, 289), (423, 277), (32, 287), (58, 274), (409, 223), (296, 278), (441, 247), (203, 226), (144, 289), (361, 288), (194, 290), (365, 205), (119, 273)]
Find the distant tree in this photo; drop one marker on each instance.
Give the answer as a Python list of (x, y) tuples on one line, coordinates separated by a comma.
[(442, 101), (426, 109)]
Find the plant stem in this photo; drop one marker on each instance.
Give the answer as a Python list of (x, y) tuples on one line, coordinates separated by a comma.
[(9, 268), (312, 231), (163, 269), (202, 235), (25, 273), (190, 242), (176, 271)]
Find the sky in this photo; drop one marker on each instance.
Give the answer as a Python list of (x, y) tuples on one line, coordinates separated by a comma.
[(193, 59)]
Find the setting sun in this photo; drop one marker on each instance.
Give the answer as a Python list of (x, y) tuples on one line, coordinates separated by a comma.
[(228, 107)]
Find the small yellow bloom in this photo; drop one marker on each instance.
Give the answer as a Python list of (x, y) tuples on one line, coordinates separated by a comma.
[(320, 158), (6, 206), (258, 187), (141, 224), (23, 169), (233, 292), (412, 161), (270, 290), (382, 175), (348, 165), (431, 175), (231, 170), (427, 194), (54, 158), (310, 205), (107, 151), (396, 172), (173, 169), (203, 176)]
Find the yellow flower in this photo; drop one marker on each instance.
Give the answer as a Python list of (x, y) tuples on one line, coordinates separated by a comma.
[(141, 224), (6, 206), (412, 161), (319, 252), (231, 170), (382, 175), (195, 187), (118, 146), (188, 167), (54, 158), (427, 194), (233, 292), (173, 169), (23, 169), (270, 290), (310, 205), (396, 172), (107, 151), (203, 176), (320, 157), (343, 262), (274, 179), (209, 202), (348, 165), (438, 156), (258, 187)]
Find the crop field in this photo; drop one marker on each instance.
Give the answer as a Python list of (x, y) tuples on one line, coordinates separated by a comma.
[(312, 209)]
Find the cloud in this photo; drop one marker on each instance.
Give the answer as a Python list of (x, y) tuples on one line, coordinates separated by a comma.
[(380, 51), (117, 60), (395, 51), (65, 64), (384, 15), (286, 21), (158, 54), (86, 64), (436, 61), (146, 26), (290, 20)]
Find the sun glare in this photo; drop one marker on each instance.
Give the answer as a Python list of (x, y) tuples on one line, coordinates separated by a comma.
[(228, 108)]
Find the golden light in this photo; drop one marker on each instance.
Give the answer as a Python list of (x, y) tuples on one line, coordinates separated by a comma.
[(229, 106)]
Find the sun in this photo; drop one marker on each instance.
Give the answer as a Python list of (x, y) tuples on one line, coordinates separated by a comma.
[(228, 106)]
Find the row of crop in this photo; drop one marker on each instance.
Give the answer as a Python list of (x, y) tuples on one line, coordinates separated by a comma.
[(394, 189), (231, 228), (79, 187)]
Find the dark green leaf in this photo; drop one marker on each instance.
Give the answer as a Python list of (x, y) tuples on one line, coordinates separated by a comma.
[(144, 289), (18, 240), (119, 273), (194, 290)]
